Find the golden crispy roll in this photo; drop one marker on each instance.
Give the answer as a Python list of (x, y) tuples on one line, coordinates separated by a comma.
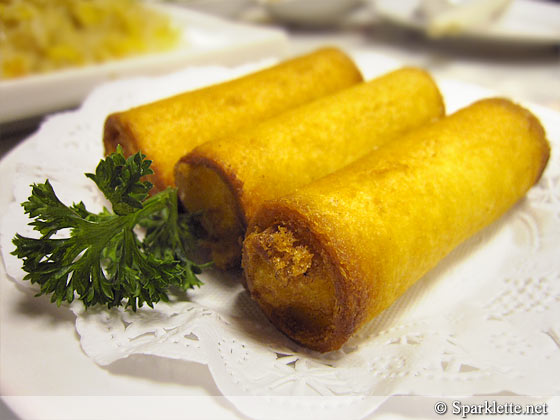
[(168, 129), (326, 259), (227, 179)]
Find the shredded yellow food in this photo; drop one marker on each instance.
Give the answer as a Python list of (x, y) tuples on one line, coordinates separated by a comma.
[(38, 36)]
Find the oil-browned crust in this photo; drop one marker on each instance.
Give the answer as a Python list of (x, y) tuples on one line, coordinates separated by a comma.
[(535, 127), (111, 133), (288, 151), (116, 131), (350, 305), (227, 173), (429, 77), (169, 128), (235, 187), (228, 177), (452, 165)]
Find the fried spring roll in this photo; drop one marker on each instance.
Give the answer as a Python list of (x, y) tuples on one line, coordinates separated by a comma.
[(168, 129), (226, 180), (326, 259)]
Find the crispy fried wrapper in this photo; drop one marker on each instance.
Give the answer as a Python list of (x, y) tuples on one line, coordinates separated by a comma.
[(226, 180), (328, 258), (168, 129)]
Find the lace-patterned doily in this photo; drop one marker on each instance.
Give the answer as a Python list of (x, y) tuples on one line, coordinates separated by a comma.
[(486, 320)]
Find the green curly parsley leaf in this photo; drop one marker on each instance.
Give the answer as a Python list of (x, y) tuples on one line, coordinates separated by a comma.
[(103, 260)]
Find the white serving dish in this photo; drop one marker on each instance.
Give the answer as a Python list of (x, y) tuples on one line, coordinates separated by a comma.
[(525, 22), (208, 40), (44, 372), (309, 12)]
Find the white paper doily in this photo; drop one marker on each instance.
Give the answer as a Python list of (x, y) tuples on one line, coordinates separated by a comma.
[(486, 320)]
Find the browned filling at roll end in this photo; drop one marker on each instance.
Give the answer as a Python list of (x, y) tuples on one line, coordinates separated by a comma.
[(295, 283)]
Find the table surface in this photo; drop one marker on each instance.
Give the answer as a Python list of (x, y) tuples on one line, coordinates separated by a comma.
[(519, 73)]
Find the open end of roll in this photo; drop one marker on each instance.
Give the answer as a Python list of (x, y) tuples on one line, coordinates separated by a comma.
[(117, 132), (204, 193), (114, 133), (294, 283)]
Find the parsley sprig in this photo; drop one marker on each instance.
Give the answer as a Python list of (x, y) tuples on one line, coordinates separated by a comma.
[(103, 260)]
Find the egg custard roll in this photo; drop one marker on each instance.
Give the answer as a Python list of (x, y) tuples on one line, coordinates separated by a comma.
[(326, 259), (226, 180), (168, 129)]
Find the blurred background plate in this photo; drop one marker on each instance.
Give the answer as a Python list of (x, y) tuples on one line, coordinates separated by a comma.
[(224, 8), (309, 12), (208, 40), (528, 22)]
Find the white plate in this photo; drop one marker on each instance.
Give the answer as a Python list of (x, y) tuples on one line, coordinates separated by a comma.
[(527, 22), (224, 8), (309, 12), (40, 349), (208, 40)]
